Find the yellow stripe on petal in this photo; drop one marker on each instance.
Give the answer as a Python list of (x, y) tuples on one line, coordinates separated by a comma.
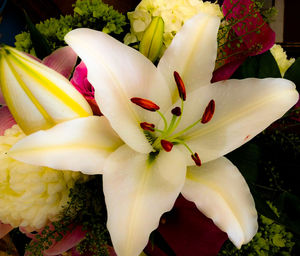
[(37, 96)]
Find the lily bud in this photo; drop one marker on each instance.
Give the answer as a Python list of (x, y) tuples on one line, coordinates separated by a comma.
[(152, 40), (37, 96)]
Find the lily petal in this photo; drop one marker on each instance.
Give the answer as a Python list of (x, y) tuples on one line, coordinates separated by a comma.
[(68, 146), (37, 96), (137, 192), (243, 108), (192, 53), (63, 61), (119, 73), (221, 193)]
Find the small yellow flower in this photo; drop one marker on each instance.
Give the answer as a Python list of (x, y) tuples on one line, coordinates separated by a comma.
[(30, 196), (281, 58)]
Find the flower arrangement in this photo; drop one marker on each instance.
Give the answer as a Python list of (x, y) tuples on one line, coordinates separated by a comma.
[(155, 145)]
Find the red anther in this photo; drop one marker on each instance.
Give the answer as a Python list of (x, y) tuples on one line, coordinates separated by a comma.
[(180, 85), (176, 111), (146, 104), (208, 112), (196, 159), (167, 145), (147, 126)]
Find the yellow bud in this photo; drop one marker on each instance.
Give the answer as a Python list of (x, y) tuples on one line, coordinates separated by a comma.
[(37, 96), (152, 40)]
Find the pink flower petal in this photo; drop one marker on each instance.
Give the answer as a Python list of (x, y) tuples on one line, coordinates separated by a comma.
[(226, 71), (69, 240), (6, 120), (254, 42), (4, 229), (63, 60), (80, 82)]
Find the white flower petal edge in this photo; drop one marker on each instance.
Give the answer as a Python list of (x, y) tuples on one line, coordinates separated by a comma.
[(221, 193), (137, 193), (192, 53), (78, 145), (243, 108), (119, 73)]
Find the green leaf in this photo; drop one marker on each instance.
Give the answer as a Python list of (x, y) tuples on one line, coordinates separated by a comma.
[(293, 73), (288, 205), (259, 66), (246, 159), (40, 44)]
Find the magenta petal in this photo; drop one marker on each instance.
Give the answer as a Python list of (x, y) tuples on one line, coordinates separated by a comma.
[(188, 232), (80, 82), (69, 240), (4, 229), (6, 120), (254, 42), (226, 71), (63, 60)]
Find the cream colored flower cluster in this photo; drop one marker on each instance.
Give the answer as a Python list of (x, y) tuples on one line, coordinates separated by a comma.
[(281, 58), (30, 196), (173, 12)]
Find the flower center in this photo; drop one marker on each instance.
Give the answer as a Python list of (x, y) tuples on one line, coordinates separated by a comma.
[(167, 137)]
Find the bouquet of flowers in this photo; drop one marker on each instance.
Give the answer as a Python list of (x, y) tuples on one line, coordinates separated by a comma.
[(129, 137)]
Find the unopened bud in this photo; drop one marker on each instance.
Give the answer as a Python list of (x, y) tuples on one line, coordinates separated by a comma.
[(152, 40)]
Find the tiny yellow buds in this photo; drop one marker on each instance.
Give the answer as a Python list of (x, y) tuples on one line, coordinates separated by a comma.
[(37, 96), (152, 40)]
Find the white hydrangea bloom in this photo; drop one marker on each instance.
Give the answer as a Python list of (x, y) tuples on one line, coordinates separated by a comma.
[(30, 196), (281, 58), (174, 13)]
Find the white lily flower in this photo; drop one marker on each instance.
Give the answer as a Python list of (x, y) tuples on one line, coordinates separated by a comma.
[(141, 179)]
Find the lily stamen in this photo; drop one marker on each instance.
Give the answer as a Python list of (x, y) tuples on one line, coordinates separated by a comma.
[(147, 126), (166, 145), (145, 104), (180, 85), (196, 159), (208, 112)]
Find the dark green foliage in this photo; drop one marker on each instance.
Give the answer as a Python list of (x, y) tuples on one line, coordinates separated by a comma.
[(92, 14)]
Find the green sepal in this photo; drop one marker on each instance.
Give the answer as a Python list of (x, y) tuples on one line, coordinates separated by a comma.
[(152, 40), (39, 42)]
